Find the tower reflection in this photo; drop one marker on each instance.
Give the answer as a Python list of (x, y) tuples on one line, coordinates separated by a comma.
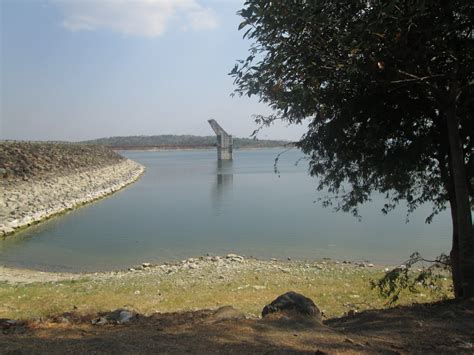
[(223, 184)]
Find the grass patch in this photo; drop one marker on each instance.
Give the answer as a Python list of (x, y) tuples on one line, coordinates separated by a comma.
[(335, 289)]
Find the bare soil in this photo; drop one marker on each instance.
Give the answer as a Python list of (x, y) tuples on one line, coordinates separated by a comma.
[(445, 327)]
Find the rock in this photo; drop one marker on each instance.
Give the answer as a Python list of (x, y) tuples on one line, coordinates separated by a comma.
[(8, 230), (99, 321), (230, 256), (119, 316), (235, 257), (294, 303), (466, 345), (8, 323), (146, 265), (126, 316)]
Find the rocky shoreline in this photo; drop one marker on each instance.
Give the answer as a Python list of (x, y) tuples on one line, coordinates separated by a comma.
[(219, 267), (74, 176)]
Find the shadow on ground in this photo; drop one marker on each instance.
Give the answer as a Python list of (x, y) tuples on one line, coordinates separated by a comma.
[(446, 327)]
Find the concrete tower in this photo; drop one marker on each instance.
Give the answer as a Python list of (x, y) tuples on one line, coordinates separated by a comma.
[(224, 141)]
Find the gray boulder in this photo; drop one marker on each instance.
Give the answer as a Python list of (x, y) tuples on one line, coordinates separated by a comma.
[(292, 303)]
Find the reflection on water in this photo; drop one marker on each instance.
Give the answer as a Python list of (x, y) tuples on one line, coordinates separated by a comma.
[(188, 204), (222, 188)]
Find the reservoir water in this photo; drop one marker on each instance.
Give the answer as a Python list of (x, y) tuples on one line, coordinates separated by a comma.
[(187, 204)]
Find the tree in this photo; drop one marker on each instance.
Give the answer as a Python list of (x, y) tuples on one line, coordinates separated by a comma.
[(388, 89)]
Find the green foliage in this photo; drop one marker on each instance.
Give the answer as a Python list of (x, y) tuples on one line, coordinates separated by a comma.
[(429, 275), (374, 80), (182, 141)]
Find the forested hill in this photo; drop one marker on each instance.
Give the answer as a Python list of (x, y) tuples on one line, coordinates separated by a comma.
[(180, 141)]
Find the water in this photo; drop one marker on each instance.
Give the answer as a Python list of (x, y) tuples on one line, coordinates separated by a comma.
[(187, 204)]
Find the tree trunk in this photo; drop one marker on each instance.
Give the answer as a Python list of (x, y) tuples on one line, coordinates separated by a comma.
[(454, 255), (462, 211)]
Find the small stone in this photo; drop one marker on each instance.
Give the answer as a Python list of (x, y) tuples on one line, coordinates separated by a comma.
[(230, 256), (100, 321), (466, 345), (146, 265)]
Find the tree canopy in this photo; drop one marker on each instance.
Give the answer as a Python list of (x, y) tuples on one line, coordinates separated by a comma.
[(387, 88)]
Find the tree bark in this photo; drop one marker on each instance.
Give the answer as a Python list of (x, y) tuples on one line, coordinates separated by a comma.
[(454, 255), (462, 215)]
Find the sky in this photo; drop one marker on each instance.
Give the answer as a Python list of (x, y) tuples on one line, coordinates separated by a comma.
[(81, 69)]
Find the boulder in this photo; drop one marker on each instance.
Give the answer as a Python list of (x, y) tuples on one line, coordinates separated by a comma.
[(292, 303)]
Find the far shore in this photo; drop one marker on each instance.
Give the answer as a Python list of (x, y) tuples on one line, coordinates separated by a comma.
[(177, 149)]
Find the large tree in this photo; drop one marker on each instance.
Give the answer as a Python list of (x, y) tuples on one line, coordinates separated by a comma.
[(388, 89)]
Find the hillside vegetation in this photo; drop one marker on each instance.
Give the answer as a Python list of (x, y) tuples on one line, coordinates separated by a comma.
[(180, 141)]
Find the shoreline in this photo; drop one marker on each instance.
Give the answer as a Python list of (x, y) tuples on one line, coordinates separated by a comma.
[(19, 275), (33, 201), (159, 149)]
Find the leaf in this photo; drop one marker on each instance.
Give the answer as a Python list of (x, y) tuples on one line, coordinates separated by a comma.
[(243, 24)]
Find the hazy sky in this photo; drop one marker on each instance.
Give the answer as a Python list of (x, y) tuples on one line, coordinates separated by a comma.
[(80, 69)]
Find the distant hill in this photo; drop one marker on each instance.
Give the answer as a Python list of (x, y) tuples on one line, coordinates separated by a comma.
[(169, 141)]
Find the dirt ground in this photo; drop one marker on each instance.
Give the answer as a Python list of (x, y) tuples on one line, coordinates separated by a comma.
[(444, 327)]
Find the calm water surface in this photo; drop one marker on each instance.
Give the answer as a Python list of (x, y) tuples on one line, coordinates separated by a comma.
[(187, 204)]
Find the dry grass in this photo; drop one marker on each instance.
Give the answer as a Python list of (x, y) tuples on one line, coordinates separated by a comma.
[(335, 288)]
